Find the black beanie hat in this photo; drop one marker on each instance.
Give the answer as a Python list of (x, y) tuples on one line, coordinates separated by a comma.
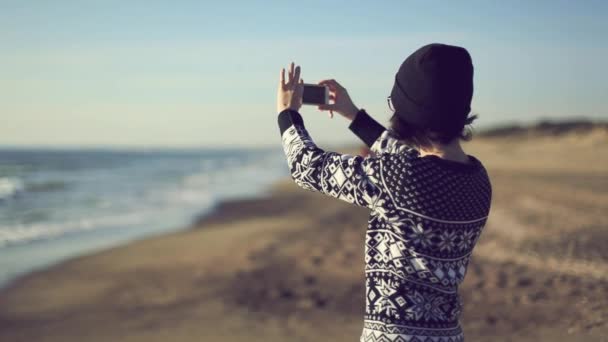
[(434, 87)]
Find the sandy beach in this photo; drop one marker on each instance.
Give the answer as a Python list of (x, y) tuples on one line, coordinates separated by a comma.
[(288, 266)]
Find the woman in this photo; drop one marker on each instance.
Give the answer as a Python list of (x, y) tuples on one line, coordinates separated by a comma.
[(428, 199)]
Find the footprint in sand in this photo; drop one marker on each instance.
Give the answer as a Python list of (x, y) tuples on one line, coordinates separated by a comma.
[(317, 260)]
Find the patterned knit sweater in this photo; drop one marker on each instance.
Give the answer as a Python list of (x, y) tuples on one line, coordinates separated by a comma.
[(426, 215)]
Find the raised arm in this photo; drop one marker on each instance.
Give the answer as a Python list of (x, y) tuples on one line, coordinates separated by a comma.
[(374, 135), (350, 178)]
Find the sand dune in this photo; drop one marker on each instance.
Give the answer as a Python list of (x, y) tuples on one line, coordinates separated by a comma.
[(289, 266)]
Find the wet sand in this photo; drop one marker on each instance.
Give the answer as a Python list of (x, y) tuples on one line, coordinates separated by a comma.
[(289, 266)]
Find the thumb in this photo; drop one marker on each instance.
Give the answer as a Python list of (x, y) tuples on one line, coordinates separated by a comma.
[(328, 106)]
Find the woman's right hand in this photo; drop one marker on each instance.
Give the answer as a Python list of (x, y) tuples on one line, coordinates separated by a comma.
[(341, 100)]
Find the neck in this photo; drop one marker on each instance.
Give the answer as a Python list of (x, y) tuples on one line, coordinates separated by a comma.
[(451, 151)]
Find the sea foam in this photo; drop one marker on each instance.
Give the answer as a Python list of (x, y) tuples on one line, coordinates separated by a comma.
[(9, 186)]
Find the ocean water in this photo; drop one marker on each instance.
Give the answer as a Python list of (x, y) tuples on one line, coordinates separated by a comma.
[(56, 204)]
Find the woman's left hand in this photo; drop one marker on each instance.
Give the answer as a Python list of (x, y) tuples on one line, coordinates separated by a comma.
[(289, 95)]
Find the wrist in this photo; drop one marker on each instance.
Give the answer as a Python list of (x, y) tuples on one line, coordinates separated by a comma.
[(366, 128), (352, 113)]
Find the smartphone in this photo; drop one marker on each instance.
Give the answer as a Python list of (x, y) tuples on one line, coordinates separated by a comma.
[(315, 94)]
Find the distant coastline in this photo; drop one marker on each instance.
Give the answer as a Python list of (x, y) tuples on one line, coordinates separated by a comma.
[(547, 128)]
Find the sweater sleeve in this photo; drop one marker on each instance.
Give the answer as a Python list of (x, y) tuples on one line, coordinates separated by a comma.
[(374, 135), (350, 178)]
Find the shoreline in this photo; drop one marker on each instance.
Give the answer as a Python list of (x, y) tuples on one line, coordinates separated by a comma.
[(288, 265), (59, 213), (196, 221), (279, 199)]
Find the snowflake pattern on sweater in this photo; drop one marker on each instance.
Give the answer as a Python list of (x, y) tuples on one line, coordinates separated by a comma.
[(426, 215)]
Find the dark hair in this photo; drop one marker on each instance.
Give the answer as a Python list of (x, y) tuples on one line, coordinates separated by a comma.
[(424, 137)]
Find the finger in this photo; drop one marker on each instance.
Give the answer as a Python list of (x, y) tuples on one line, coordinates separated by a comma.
[(282, 77), (290, 75), (331, 99), (296, 77), (329, 83), (330, 86), (299, 91), (328, 106)]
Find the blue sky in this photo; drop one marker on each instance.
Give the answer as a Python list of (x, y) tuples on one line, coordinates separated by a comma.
[(199, 73)]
